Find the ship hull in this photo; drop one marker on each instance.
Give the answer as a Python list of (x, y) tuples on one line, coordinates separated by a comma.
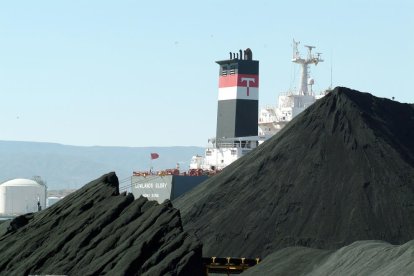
[(160, 188)]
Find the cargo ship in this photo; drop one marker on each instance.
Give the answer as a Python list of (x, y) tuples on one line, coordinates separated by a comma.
[(240, 126), (160, 186)]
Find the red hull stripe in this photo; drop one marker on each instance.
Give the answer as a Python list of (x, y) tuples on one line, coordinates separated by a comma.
[(241, 80)]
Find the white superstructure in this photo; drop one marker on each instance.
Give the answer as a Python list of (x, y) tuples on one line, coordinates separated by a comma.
[(237, 113), (291, 103), (21, 196), (221, 152)]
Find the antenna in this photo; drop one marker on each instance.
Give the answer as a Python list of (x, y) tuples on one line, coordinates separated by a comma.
[(305, 63), (331, 77), (330, 87), (309, 51), (295, 49)]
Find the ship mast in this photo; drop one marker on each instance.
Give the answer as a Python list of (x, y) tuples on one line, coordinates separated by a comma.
[(311, 59)]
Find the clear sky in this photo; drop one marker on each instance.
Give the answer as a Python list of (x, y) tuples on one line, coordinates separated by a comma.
[(143, 73)]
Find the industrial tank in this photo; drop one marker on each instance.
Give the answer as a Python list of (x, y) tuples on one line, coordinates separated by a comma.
[(21, 196)]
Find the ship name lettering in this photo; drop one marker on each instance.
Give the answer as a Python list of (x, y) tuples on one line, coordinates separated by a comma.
[(144, 185), (160, 185)]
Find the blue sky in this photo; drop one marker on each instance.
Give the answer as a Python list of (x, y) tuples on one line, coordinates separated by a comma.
[(129, 73)]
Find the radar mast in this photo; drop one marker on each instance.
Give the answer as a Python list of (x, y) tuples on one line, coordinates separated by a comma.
[(305, 70)]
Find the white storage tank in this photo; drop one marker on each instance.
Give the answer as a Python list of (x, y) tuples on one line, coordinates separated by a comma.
[(21, 196)]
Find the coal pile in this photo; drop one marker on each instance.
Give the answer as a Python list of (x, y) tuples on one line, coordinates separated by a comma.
[(360, 258), (340, 172), (97, 231)]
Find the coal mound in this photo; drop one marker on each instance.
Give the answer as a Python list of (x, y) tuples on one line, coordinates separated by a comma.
[(341, 171), (360, 258), (97, 231)]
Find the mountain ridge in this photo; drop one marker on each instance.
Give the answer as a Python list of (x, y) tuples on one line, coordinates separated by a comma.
[(65, 166)]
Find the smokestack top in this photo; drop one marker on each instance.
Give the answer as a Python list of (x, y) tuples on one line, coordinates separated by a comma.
[(248, 55)]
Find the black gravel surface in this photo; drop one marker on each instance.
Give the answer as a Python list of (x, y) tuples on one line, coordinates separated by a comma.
[(97, 231), (341, 171)]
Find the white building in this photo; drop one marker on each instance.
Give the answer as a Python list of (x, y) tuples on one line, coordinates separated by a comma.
[(21, 196)]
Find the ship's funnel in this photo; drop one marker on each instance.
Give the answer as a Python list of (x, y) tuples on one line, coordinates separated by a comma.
[(238, 99)]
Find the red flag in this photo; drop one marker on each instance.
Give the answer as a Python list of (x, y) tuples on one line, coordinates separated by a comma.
[(154, 156)]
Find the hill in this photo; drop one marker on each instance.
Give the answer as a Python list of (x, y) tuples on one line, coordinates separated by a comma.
[(360, 258), (66, 167), (340, 172)]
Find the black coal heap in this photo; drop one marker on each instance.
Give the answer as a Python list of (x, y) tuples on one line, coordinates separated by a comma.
[(341, 171), (97, 231)]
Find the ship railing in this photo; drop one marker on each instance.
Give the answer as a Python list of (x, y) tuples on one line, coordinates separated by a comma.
[(268, 107), (267, 120), (160, 173), (234, 145), (190, 172), (288, 93)]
